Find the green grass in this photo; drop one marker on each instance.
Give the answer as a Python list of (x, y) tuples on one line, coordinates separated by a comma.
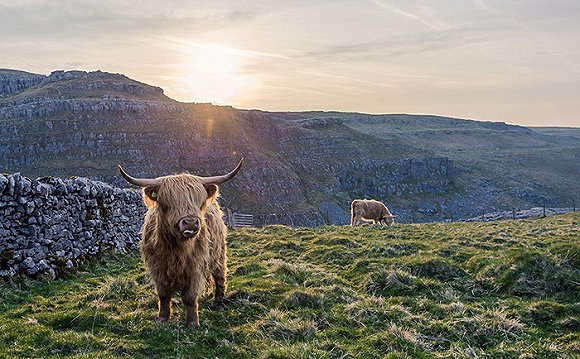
[(498, 289)]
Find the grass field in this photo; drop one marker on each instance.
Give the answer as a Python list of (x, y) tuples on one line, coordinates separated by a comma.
[(496, 289)]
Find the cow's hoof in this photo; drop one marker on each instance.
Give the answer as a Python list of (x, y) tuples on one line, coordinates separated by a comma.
[(192, 325), (229, 299), (161, 319), (221, 301)]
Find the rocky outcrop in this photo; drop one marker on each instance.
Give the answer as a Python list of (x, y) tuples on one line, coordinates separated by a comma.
[(51, 225), (12, 82), (98, 80), (47, 107), (379, 179), (318, 123)]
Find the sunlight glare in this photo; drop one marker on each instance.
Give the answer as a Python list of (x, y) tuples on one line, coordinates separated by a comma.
[(212, 75)]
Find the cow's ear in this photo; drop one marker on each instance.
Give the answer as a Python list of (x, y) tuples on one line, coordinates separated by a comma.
[(212, 192), (150, 195)]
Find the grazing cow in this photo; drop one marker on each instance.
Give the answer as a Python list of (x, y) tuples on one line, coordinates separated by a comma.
[(369, 209), (183, 238)]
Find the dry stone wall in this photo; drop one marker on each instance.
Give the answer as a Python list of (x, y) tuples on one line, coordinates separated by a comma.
[(49, 226)]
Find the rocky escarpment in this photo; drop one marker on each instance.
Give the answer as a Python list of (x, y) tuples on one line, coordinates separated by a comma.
[(16, 81), (48, 107), (51, 225), (99, 81), (380, 179), (73, 82)]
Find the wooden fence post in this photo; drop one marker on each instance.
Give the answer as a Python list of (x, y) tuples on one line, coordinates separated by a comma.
[(230, 221), (544, 209)]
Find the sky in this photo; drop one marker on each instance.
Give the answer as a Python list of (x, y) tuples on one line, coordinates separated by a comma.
[(514, 61)]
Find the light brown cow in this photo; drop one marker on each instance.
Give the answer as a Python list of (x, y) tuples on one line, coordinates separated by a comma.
[(183, 239), (371, 210)]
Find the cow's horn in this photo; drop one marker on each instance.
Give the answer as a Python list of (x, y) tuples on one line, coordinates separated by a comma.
[(141, 182), (224, 178)]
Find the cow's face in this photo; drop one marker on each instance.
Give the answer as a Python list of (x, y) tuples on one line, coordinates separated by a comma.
[(180, 202), (388, 220)]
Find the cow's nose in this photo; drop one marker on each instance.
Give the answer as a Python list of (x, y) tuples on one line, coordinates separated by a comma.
[(189, 225)]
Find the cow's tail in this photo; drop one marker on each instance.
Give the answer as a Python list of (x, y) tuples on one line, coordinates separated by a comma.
[(352, 214)]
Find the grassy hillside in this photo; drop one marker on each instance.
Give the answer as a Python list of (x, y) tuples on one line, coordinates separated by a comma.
[(501, 289)]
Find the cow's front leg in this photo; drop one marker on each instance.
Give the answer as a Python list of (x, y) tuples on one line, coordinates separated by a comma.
[(219, 277), (189, 297), (164, 306)]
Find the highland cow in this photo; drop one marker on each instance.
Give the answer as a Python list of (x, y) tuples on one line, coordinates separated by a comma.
[(371, 210), (183, 238)]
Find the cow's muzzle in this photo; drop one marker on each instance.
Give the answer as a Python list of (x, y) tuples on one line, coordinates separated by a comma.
[(189, 226)]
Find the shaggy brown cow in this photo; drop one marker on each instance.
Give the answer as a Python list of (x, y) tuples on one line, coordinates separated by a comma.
[(369, 209), (183, 239)]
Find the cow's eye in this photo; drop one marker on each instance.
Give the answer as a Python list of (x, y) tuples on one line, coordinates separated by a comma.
[(152, 193)]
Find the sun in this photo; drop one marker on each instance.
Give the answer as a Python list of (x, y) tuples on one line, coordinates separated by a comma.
[(213, 74)]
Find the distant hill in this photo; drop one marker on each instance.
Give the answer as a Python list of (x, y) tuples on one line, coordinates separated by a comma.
[(301, 168)]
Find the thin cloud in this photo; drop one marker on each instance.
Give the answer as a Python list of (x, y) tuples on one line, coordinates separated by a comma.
[(346, 79), (226, 50), (427, 22), (413, 44), (72, 19)]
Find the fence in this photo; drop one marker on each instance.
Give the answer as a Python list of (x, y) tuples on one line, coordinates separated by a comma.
[(242, 220), (533, 212), (415, 215), (238, 220)]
